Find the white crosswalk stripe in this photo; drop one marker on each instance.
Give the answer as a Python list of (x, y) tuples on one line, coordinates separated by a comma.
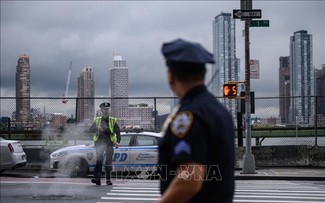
[(133, 190), (246, 191), (278, 192)]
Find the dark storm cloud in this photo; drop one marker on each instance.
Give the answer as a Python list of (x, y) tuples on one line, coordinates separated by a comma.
[(53, 33)]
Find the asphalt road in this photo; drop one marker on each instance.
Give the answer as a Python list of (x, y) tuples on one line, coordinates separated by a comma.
[(25, 189)]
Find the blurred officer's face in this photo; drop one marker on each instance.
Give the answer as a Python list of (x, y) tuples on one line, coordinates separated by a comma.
[(105, 111)]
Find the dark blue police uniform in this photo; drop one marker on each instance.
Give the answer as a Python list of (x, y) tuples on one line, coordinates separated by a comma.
[(200, 131)]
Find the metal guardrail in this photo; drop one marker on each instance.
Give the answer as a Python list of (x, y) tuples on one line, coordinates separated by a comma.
[(260, 134), (288, 132)]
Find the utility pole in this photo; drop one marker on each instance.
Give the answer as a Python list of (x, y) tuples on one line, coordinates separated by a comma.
[(246, 13), (248, 158)]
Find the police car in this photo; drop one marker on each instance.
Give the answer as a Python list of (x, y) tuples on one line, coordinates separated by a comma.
[(138, 152)]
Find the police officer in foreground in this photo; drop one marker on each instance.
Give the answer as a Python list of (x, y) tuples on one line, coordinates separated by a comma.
[(107, 136), (196, 154)]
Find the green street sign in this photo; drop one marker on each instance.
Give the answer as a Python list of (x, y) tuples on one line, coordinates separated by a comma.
[(260, 23)]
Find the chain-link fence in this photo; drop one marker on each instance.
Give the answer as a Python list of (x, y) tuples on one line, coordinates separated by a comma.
[(275, 121)]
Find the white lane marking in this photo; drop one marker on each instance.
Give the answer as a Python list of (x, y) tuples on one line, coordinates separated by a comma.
[(270, 201), (130, 198), (127, 194), (274, 172), (279, 194), (257, 182), (132, 188), (275, 197), (136, 191), (287, 191), (110, 202)]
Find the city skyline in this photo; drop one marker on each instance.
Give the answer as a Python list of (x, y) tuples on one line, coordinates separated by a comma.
[(90, 40)]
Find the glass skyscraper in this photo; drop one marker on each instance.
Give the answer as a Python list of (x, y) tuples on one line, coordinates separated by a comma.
[(302, 76), (226, 67)]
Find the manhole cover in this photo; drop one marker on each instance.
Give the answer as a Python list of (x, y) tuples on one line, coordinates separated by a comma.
[(52, 197)]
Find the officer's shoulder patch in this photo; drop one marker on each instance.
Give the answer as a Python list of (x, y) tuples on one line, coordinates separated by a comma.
[(181, 124)]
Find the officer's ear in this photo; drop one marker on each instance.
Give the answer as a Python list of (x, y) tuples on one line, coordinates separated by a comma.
[(170, 77)]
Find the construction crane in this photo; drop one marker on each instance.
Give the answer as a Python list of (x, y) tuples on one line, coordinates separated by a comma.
[(65, 100)]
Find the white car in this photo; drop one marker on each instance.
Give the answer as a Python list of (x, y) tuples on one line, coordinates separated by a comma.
[(12, 155), (138, 152)]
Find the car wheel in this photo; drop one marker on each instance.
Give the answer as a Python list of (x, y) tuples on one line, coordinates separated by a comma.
[(76, 167)]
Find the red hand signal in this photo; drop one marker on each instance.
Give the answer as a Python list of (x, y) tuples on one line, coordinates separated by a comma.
[(226, 90)]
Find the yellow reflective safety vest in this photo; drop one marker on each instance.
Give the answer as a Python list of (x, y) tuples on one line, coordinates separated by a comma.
[(111, 123)]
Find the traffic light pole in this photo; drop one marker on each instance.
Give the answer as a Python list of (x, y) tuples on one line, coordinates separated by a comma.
[(248, 158)]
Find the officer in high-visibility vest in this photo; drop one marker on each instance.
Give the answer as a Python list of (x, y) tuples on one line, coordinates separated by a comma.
[(107, 136)]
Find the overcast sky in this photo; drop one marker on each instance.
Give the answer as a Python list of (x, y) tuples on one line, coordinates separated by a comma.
[(53, 33)]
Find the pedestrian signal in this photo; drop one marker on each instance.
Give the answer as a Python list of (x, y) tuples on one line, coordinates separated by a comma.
[(229, 90)]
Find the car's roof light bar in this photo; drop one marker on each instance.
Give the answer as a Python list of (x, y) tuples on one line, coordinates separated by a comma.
[(131, 128)]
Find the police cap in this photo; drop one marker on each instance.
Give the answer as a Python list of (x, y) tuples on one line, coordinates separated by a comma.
[(104, 105), (184, 51)]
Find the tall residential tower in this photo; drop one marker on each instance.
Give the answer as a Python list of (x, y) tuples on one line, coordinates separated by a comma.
[(127, 114), (23, 89), (302, 86), (284, 88), (86, 94), (119, 86), (320, 93)]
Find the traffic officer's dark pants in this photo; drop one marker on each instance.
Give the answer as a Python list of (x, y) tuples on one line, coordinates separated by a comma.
[(103, 151)]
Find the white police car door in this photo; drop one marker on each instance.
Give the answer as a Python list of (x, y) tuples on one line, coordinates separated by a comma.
[(144, 153), (121, 154)]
